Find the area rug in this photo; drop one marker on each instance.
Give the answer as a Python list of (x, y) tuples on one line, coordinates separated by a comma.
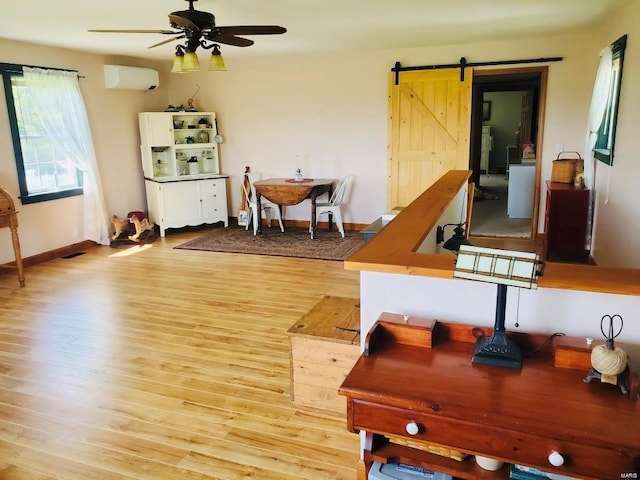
[(294, 242)]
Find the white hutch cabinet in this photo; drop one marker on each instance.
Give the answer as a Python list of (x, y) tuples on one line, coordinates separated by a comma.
[(181, 168)]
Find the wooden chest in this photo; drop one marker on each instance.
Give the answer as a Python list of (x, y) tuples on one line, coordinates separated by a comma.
[(324, 346), (566, 222)]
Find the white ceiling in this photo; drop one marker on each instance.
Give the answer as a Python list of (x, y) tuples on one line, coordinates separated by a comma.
[(313, 25)]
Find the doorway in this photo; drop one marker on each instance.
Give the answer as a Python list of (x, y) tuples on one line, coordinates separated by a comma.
[(506, 133)]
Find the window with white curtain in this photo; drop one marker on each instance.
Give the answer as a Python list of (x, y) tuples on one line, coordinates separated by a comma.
[(52, 142), (603, 149), (45, 169)]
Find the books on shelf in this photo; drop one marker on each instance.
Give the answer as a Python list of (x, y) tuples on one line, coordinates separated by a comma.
[(520, 472)]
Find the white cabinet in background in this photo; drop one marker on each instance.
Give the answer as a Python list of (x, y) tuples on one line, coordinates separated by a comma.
[(178, 144), (182, 169), (521, 187), (177, 204), (485, 148)]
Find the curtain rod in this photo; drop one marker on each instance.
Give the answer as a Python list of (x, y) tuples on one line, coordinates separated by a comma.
[(397, 68), (17, 68)]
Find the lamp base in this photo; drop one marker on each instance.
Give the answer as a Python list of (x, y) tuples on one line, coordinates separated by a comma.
[(498, 351)]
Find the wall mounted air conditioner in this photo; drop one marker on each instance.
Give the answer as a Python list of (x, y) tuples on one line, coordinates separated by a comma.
[(130, 78)]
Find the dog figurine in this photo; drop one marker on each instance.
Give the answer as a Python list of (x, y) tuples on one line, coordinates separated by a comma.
[(120, 225), (141, 226)]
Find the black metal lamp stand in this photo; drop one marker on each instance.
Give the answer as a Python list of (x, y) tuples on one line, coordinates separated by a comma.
[(498, 350)]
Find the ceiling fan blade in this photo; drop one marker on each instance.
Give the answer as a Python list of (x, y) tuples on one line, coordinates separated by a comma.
[(166, 41), (251, 30), (177, 21), (230, 40), (164, 32)]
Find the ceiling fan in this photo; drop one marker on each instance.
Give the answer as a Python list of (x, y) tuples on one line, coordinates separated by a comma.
[(199, 30)]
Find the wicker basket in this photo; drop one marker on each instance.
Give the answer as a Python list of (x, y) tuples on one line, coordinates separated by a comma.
[(564, 169)]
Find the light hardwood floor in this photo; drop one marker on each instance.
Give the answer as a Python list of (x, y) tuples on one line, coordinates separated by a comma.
[(156, 363)]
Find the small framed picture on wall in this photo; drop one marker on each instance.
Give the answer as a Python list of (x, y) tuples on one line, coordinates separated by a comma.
[(486, 110)]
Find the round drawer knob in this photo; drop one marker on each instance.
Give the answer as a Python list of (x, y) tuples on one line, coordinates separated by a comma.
[(412, 428), (556, 459)]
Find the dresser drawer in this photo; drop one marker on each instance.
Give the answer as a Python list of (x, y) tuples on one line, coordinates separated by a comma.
[(516, 447)]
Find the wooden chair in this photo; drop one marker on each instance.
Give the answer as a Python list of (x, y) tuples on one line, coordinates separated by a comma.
[(8, 218), (268, 208)]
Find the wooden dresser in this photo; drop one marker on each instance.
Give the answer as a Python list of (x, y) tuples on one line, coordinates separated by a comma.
[(566, 222), (415, 388)]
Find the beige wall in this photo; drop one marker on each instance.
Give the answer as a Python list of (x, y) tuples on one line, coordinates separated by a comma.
[(326, 114), (617, 227)]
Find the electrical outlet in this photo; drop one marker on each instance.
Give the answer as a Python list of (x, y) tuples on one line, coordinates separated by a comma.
[(559, 148)]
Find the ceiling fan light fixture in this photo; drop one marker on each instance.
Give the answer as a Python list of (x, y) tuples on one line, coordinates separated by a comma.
[(216, 64), (198, 29), (190, 63), (178, 62)]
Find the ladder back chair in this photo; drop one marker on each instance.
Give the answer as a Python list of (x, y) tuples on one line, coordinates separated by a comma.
[(270, 210), (9, 219)]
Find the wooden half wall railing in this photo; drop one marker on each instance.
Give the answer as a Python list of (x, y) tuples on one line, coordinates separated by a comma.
[(394, 248)]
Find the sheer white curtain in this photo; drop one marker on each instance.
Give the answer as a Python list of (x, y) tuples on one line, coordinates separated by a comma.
[(596, 112), (58, 99)]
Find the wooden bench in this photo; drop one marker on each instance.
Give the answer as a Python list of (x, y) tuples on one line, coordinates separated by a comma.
[(324, 346)]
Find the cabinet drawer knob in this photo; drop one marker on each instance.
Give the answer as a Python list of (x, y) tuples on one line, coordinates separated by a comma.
[(556, 459), (412, 428)]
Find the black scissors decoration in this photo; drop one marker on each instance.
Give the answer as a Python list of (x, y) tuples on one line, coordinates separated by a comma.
[(608, 362)]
